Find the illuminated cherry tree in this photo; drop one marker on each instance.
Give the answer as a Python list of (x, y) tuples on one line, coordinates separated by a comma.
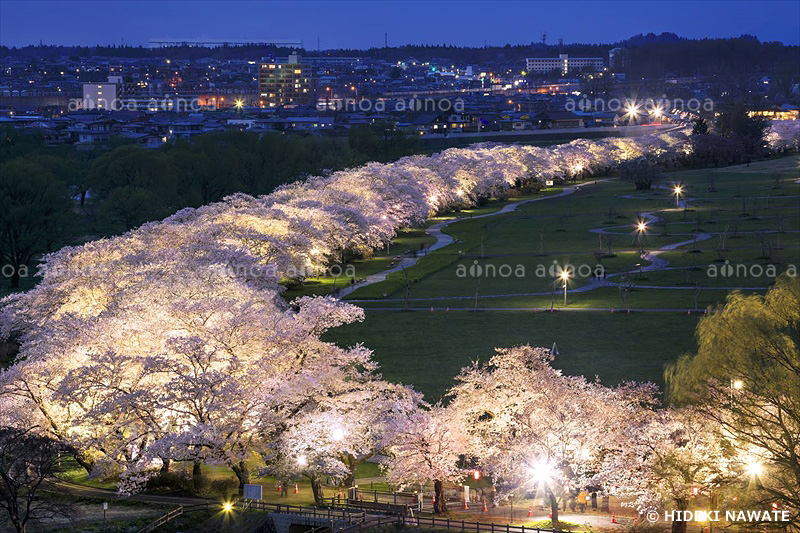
[(534, 429)]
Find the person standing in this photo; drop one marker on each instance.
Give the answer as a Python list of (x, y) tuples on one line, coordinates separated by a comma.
[(582, 496)]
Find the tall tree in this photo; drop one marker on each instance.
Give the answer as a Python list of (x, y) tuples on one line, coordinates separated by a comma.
[(27, 462), (745, 377), (35, 215)]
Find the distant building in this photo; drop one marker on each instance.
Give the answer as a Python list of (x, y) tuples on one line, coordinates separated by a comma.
[(284, 81), (563, 63), (784, 112), (619, 59), (100, 95)]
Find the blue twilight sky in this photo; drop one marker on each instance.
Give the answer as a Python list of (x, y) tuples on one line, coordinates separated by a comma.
[(362, 24)]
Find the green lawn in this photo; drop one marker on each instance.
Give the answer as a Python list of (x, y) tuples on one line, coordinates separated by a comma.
[(428, 350), (760, 224)]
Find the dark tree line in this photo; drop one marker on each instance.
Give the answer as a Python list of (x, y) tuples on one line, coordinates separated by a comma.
[(50, 197)]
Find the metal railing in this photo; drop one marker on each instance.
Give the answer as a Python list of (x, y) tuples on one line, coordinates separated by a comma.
[(440, 523), (329, 513)]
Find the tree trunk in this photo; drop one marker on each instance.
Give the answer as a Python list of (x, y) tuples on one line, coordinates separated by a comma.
[(350, 479), (85, 462), (15, 278), (680, 526), (196, 471), (553, 506), (165, 464), (439, 503), (316, 488), (242, 473)]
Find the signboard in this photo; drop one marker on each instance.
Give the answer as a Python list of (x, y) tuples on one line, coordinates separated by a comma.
[(549, 183), (252, 492)]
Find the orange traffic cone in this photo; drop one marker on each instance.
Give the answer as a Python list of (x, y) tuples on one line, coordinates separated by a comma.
[(295, 488), (465, 507), (613, 518), (689, 312), (550, 514), (484, 507), (278, 487), (530, 510)]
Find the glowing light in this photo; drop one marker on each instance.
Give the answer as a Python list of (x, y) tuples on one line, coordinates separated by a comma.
[(476, 475), (753, 468), (302, 461), (542, 471), (738, 384), (631, 110), (564, 275), (433, 198), (641, 226), (227, 507), (337, 434), (239, 103), (460, 192)]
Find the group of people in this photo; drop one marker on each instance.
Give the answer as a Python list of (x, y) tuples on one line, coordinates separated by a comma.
[(582, 499)]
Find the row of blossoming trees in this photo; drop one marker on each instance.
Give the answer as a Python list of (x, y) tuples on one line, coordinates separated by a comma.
[(172, 343)]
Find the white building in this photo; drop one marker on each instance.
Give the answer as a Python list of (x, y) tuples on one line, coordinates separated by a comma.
[(101, 95), (563, 63)]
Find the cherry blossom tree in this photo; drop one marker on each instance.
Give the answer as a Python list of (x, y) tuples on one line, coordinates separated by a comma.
[(536, 429), (426, 448)]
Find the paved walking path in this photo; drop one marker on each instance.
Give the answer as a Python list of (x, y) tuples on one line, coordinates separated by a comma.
[(443, 239), (656, 263)]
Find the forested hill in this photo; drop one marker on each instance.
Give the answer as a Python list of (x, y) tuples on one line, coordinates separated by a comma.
[(650, 55)]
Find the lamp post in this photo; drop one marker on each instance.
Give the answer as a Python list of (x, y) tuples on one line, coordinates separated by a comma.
[(736, 384), (564, 277), (641, 227), (678, 190)]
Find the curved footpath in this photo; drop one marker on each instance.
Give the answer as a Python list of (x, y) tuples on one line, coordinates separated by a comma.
[(655, 263), (443, 239)]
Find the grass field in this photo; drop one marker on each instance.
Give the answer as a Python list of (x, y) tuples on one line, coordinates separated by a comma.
[(753, 219)]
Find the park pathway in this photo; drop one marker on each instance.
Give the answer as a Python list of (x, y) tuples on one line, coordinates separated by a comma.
[(443, 239), (655, 263)]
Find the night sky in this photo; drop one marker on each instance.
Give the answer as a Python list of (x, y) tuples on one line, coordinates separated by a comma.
[(340, 24)]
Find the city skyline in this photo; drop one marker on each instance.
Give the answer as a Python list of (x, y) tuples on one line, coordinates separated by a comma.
[(361, 25)]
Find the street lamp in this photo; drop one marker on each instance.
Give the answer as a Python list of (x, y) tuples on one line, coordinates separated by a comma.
[(631, 111), (227, 507), (677, 190), (337, 434), (753, 468), (736, 384), (565, 277), (302, 461), (641, 228)]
